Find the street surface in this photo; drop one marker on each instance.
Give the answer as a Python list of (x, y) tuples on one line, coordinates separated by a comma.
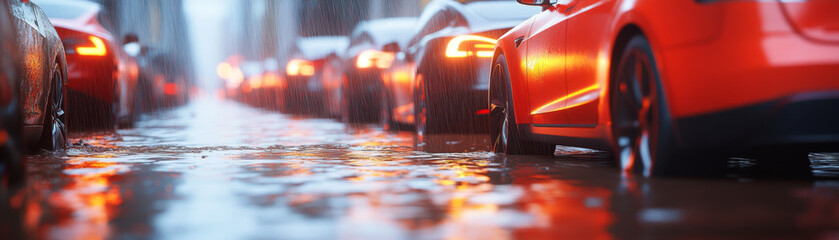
[(217, 169)]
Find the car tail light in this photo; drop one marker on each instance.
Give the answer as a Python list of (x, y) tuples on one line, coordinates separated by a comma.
[(370, 58), (255, 82), (235, 78), (224, 70), (470, 45), (96, 47), (299, 67), (170, 89)]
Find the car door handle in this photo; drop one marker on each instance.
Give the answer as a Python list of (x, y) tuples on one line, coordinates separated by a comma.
[(569, 8), (518, 41)]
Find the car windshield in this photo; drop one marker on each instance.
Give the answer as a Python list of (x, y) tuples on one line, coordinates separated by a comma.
[(62, 11)]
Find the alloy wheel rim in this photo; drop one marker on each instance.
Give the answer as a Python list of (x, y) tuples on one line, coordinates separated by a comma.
[(635, 116), (498, 110), (57, 111)]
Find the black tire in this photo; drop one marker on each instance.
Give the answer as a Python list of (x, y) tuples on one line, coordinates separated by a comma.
[(354, 109), (641, 123), (506, 136), (54, 136), (783, 164), (432, 115)]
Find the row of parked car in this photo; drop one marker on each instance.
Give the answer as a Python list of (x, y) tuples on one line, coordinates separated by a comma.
[(669, 87), (62, 65), (431, 72)]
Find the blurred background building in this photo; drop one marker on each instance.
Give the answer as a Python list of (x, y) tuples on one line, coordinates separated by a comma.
[(160, 26), (196, 35), (263, 30)]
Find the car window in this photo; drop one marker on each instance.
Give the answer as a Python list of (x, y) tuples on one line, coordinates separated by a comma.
[(436, 22), (62, 11), (362, 38), (107, 22)]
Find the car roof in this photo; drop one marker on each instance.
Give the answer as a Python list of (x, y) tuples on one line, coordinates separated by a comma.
[(387, 30), (487, 15), (313, 48)]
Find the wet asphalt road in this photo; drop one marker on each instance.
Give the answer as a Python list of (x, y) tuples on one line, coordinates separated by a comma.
[(221, 170)]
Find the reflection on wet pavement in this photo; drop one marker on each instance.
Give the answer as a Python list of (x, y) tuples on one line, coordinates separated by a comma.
[(220, 170)]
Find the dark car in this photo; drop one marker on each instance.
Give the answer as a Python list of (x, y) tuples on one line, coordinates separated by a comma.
[(304, 88), (366, 58), (440, 79), (163, 82), (42, 72), (102, 77)]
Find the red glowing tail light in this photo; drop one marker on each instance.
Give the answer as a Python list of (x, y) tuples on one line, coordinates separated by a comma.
[(299, 67), (370, 58), (470, 45), (97, 48), (170, 89)]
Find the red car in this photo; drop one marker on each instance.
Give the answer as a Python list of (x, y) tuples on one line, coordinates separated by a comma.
[(662, 83), (102, 77)]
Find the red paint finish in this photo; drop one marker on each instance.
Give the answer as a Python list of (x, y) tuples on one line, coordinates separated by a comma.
[(711, 57), (170, 89), (97, 64), (545, 65)]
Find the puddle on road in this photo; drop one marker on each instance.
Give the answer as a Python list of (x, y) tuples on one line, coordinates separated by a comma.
[(222, 170)]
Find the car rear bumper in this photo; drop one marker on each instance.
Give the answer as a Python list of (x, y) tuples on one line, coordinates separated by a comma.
[(808, 122), (93, 77), (362, 81)]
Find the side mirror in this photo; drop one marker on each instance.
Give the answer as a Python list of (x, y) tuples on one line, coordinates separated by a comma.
[(131, 45), (543, 3), (133, 49)]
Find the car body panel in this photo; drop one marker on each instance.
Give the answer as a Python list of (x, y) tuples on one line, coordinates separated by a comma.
[(41, 50), (711, 57), (546, 66)]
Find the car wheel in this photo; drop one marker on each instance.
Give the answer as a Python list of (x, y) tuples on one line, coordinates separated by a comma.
[(641, 125), (504, 132), (430, 114), (783, 164), (386, 113), (54, 136)]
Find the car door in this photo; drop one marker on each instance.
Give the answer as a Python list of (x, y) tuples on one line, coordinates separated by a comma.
[(546, 65), (587, 31), (34, 67)]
